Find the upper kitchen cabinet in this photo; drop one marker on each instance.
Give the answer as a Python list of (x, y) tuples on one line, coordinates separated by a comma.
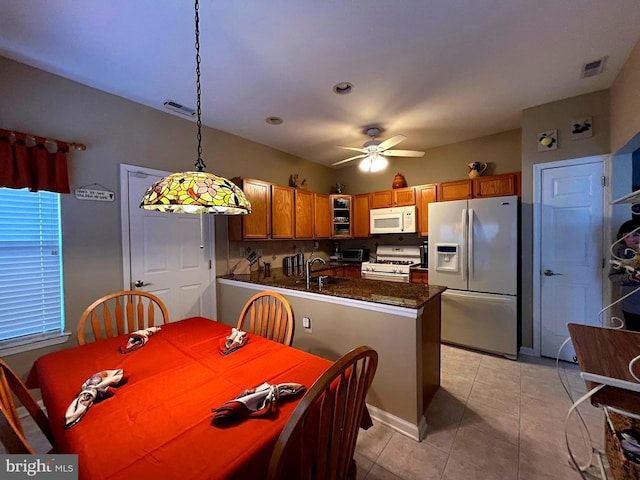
[(282, 212), (497, 185), (425, 194), (399, 197), (304, 222), (341, 216), (361, 220), (458, 190), (272, 212), (322, 215), (257, 224)]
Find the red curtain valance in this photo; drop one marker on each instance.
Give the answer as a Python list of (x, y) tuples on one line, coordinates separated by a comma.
[(25, 162)]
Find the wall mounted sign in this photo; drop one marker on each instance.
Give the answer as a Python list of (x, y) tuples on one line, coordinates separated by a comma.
[(98, 195), (581, 128)]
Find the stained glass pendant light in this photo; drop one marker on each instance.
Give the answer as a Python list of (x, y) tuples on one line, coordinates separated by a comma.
[(196, 192)]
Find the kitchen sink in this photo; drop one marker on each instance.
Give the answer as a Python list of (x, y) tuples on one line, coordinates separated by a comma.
[(326, 280)]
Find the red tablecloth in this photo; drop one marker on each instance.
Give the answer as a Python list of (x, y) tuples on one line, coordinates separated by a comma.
[(157, 425)]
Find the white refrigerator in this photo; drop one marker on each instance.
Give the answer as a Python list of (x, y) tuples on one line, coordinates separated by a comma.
[(473, 250)]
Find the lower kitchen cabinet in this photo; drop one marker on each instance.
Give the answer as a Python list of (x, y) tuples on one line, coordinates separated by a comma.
[(419, 276)]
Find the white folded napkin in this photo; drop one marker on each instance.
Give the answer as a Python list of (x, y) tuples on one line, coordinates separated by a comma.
[(138, 339), (94, 388)]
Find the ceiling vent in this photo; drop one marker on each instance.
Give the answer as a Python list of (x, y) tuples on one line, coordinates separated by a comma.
[(181, 109), (591, 69)]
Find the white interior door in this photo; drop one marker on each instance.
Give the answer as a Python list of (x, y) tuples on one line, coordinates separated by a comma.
[(168, 254), (570, 268)]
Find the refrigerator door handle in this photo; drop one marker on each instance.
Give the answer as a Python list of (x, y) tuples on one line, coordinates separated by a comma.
[(463, 250), (470, 241)]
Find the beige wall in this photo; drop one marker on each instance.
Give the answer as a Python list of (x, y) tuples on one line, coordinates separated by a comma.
[(501, 152), (625, 103), (117, 131), (538, 119)]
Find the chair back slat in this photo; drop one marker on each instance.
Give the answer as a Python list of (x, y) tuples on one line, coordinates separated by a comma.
[(128, 309), (11, 430), (269, 315), (326, 421)]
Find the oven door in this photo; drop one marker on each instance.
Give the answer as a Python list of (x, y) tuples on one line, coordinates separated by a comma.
[(386, 276)]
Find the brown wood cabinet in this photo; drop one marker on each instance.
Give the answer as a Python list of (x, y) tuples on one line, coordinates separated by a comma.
[(398, 197), (361, 208), (341, 216), (419, 276), (497, 185), (304, 219), (322, 215), (352, 271), (425, 194), (457, 190), (282, 212), (257, 224)]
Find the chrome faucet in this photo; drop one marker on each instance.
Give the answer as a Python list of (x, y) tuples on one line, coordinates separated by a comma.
[(308, 265)]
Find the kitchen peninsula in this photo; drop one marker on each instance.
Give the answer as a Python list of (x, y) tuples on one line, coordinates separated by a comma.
[(401, 321)]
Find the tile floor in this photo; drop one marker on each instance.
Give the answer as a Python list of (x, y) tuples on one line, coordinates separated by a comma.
[(492, 419)]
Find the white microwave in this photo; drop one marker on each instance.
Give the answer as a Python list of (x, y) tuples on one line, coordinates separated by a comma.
[(393, 220)]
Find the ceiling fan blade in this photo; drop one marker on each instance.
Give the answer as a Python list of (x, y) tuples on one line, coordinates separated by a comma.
[(404, 153), (349, 159), (355, 149), (390, 142)]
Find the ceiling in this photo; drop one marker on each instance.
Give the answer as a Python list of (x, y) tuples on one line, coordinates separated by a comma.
[(438, 71)]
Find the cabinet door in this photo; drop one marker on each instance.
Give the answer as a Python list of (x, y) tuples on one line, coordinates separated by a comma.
[(361, 219), (341, 216), (496, 185), (304, 221), (419, 277), (257, 224), (425, 194), (382, 199), (458, 190), (352, 271), (322, 211), (403, 197), (282, 208)]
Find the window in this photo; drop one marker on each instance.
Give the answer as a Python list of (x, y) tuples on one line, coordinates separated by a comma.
[(31, 288)]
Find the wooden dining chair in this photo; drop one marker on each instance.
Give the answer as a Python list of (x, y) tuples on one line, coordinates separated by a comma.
[(269, 315), (319, 439), (127, 309), (12, 434)]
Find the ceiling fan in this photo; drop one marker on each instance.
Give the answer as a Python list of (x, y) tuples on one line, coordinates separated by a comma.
[(374, 151)]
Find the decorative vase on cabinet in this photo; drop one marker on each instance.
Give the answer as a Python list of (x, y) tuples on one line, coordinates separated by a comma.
[(399, 181)]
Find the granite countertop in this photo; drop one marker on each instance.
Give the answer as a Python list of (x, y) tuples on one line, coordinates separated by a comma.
[(410, 295)]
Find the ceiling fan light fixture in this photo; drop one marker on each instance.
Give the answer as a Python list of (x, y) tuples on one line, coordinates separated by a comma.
[(196, 191), (373, 163)]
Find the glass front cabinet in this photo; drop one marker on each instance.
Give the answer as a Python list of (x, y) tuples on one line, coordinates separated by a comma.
[(341, 216)]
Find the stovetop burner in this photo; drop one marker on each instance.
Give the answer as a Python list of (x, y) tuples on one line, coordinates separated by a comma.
[(393, 262)]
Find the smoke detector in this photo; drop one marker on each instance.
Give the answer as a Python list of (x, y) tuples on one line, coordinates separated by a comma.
[(593, 68)]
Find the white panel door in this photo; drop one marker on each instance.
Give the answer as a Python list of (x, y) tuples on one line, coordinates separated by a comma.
[(168, 255), (571, 236), (447, 244), (493, 249)]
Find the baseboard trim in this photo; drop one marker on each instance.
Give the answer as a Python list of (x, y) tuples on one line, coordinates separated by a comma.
[(415, 432), (528, 351)]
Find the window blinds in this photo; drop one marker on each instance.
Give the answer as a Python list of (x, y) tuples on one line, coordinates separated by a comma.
[(30, 263)]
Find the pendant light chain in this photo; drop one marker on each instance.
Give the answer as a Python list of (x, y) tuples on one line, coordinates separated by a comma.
[(199, 163)]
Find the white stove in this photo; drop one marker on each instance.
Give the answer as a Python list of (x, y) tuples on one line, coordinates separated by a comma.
[(392, 263)]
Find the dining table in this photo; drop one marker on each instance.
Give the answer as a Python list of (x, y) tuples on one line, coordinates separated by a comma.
[(157, 422)]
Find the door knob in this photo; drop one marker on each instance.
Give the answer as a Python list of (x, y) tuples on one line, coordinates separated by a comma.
[(140, 283), (550, 273)]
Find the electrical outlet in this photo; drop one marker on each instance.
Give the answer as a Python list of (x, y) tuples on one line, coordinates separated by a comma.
[(241, 253), (259, 252), (306, 324)]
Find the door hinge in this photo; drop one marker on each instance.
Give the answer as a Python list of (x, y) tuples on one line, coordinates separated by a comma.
[(210, 264), (603, 263), (603, 181)]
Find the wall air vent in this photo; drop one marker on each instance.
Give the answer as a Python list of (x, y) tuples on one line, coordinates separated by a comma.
[(181, 109), (591, 69)]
